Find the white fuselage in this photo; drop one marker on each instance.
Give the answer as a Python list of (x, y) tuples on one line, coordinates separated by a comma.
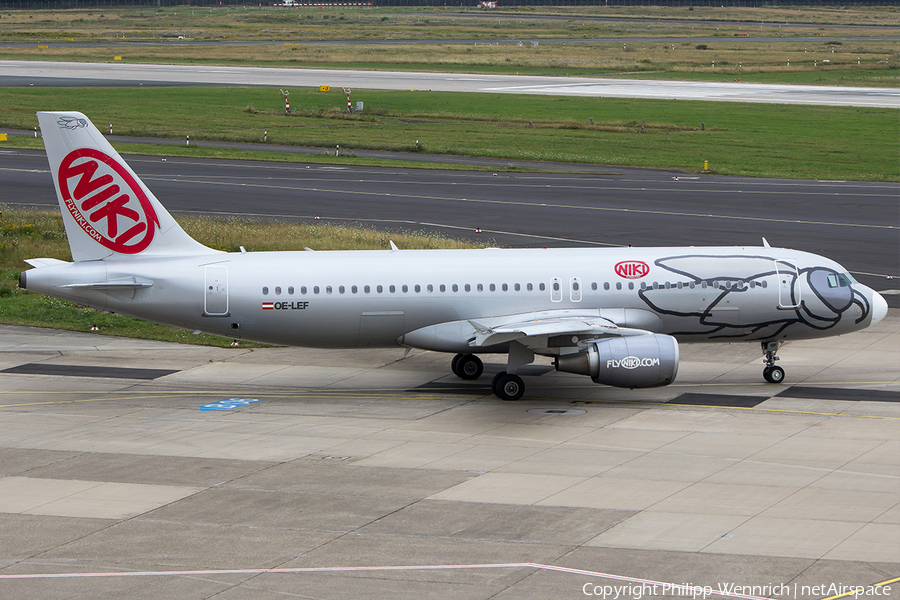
[(389, 298)]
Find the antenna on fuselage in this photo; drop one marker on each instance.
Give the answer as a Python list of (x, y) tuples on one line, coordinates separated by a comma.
[(766, 243)]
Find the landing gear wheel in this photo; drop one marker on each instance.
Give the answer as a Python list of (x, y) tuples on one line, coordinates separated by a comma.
[(508, 387), (495, 381), (773, 374), (469, 367), (454, 364)]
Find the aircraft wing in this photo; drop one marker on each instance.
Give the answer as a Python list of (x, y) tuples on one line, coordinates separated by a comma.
[(545, 326)]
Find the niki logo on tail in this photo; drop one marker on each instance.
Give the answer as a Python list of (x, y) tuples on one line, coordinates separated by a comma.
[(106, 201)]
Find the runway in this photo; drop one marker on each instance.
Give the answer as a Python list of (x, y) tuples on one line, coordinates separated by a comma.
[(854, 223), (22, 72)]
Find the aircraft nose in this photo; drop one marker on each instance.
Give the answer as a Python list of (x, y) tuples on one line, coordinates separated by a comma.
[(879, 307)]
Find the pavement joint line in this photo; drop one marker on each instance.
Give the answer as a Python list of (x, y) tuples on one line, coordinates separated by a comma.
[(855, 591), (671, 586), (341, 396)]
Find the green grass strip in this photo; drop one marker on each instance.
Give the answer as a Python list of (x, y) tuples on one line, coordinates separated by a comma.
[(758, 140)]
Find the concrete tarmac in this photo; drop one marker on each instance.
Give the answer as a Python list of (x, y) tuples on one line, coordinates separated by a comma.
[(341, 474)]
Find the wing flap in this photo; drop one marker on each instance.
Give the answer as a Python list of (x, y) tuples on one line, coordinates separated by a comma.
[(543, 327)]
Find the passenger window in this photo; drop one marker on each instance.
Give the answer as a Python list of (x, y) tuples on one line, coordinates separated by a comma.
[(504, 287), (418, 288), (277, 290), (328, 289), (518, 287), (443, 288), (341, 289), (618, 285), (480, 287), (455, 288), (594, 286), (529, 287), (303, 290), (367, 289), (630, 285), (315, 289), (468, 288), (392, 289), (542, 287), (354, 289), (493, 287), (405, 288), (291, 290), (605, 285), (379, 289), (265, 291)]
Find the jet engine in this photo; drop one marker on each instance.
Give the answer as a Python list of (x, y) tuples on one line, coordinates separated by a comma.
[(638, 361)]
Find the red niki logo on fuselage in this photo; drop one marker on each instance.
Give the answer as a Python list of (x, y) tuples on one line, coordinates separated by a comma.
[(632, 269), (106, 201)]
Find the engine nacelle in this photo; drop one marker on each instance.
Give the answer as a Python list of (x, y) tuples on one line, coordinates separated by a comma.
[(638, 361)]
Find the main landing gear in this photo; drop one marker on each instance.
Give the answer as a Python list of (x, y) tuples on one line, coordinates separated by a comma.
[(506, 385), (467, 366), (771, 373)]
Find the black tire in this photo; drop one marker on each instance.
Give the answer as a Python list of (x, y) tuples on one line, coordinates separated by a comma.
[(509, 387), (773, 374), (469, 367), (454, 364), (496, 381)]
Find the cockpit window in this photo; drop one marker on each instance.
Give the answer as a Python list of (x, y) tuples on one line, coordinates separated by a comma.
[(839, 280)]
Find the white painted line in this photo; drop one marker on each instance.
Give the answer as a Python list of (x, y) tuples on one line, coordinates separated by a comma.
[(672, 587)]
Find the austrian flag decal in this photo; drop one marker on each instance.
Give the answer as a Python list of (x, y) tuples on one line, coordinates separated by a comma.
[(106, 201), (268, 306)]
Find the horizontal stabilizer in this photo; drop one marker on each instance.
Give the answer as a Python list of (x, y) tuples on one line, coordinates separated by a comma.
[(44, 262)]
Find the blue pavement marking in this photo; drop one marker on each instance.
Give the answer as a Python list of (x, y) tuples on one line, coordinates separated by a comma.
[(229, 403)]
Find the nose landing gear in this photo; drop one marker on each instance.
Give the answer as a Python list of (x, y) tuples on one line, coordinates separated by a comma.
[(771, 373)]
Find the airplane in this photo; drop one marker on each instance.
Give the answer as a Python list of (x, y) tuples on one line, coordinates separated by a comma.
[(616, 315)]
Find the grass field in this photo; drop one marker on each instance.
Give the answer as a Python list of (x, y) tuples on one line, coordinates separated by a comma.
[(807, 142), (665, 48), (33, 234)]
